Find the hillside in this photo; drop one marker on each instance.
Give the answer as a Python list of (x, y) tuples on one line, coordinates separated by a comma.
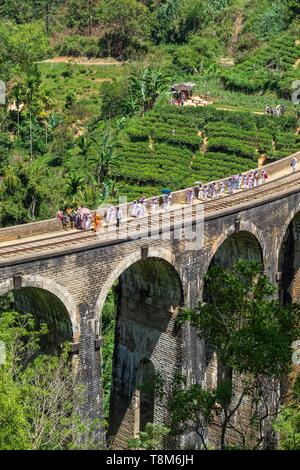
[(88, 118)]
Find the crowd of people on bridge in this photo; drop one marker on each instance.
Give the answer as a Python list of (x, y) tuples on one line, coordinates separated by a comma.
[(82, 218)]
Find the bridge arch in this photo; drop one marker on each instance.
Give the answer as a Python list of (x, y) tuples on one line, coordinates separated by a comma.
[(148, 297), (247, 231), (288, 259), (48, 287), (285, 227), (158, 253)]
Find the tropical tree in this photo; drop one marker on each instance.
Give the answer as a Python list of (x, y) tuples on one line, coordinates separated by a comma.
[(251, 335), (106, 158), (75, 183), (39, 395), (145, 87), (127, 22), (84, 144)]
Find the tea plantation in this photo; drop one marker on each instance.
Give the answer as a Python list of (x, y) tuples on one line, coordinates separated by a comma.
[(176, 147), (271, 68)]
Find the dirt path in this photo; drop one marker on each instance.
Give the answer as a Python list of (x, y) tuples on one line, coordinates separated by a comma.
[(235, 109), (238, 26), (80, 61)]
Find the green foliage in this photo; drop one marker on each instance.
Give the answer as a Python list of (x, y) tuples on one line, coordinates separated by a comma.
[(150, 439), (198, 56), (37, 392), (145, 87), (21, 195), (288, 422), (127, 22), (273, 20), (108, 332), (21, 46), (251, 334), (267, 69), (176, 20), (249, 331), (77, 45)]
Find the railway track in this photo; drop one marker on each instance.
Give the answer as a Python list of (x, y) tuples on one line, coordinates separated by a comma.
[(24, 248)]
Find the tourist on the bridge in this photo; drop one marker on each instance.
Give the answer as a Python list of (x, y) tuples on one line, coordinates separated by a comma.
[(200, 192), (169, 201), (77, 220), (97, 222), (165, 201), (110, 215), (60, 218), (214, 190), (251, 180), (240, 180), (139, 209), (143, 202), (256, 178), (221, 188), (154, 205), (210, 191), (190, 196), (71, 216), (113, 215), (264, 176), (294, 163), (133, 211), (205, 192), (229, 185), (84, 221), (118, 216)]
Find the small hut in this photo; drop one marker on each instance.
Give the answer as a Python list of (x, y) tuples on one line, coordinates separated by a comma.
[(183, 91)]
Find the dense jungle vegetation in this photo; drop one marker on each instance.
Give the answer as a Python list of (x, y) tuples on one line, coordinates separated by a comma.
[(87, 118)]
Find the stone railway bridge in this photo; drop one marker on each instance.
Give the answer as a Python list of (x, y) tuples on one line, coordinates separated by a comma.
[(68, 280)]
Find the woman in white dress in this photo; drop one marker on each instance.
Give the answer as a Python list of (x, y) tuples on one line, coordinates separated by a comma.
[(134, 209), (154, 204), (169, 201)]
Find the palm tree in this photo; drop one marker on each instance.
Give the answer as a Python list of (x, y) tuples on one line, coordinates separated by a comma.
[(106, 159), (11, 180), (145, 86), (84, 144), (75, 183)]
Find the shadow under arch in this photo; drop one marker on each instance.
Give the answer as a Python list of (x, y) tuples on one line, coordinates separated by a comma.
[(49, 303), (288, 256), (145, 396), (149, 295), (238, 245)]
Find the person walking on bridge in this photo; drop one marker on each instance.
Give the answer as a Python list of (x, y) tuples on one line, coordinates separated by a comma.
[(97, 222), (119, 216), (294, 163)]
